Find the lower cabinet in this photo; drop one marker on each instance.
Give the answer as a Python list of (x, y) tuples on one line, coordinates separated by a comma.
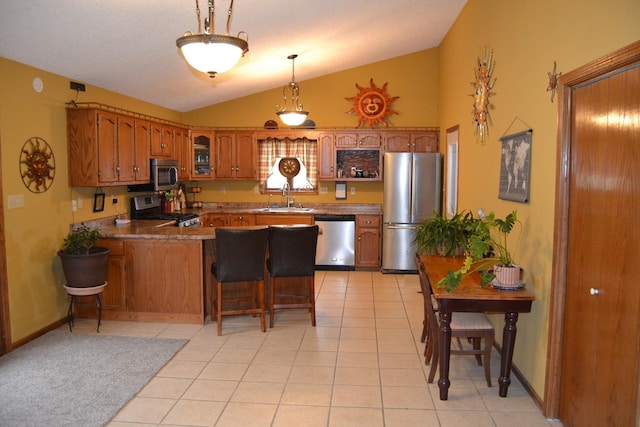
[(368, 241), (152, 280), (283, 219), (214, 220)]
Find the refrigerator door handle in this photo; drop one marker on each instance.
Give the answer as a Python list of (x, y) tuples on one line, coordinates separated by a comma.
[(401, 227)]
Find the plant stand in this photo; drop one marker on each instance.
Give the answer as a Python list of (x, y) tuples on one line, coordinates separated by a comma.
[(74, 292)]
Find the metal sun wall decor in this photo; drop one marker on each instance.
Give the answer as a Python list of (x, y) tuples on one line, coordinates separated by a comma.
[(372, 104), (482, 87), (552, 86), (37, 165)]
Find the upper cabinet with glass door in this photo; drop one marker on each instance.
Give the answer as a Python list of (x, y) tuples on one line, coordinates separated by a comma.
[(202, 160)]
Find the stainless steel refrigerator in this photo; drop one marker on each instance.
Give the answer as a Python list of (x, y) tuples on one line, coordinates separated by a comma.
[(412, 191)]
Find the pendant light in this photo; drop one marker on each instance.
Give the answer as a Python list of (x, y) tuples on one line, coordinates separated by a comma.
[(212, 53), (294, 116)]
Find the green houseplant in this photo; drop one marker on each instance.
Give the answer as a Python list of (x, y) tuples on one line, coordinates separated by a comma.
[(443, 236), (487, 253), (84, 264)]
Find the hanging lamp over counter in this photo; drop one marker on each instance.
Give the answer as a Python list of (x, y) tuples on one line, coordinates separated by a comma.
[(295, 114), (212, 53)]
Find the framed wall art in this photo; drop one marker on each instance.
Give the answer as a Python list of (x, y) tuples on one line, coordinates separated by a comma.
[(515, 166), (98, 202)]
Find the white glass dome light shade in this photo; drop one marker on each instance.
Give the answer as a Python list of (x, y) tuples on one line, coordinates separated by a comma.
[(212, 53), (292, 118)]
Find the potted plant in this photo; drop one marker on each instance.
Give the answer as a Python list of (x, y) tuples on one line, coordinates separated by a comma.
[(445, 236), (84, 264), (488, 254)]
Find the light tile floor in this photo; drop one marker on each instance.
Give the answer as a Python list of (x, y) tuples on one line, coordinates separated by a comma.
[(361, 366)]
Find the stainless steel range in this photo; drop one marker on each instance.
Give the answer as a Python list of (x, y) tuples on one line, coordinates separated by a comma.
[(149, 207)]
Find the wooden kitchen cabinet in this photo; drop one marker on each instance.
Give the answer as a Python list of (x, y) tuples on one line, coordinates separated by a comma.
[(358, 151), (241, 220), (358, 139), (183, 153), (412, 141), (368, 241), (214, 220), (113, 296), (283, 219), (326, 157), (162, 141), (236, 155), (106, 148), (202, 155), (164, 280)]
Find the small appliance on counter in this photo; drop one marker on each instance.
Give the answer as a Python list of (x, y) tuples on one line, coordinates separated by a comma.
[(149, 207)]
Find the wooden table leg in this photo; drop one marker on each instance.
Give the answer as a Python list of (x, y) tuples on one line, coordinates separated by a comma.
[(508, 342), (445, 353)]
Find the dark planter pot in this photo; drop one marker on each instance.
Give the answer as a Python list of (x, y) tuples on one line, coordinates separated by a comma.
[(85, 271)]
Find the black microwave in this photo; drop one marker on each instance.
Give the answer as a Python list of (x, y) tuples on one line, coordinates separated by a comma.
[(164, 176)]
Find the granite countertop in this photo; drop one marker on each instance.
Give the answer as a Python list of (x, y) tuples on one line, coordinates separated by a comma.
[(162, 229)]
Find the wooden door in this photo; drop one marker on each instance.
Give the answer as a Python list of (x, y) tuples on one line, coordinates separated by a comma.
[(601, 342)]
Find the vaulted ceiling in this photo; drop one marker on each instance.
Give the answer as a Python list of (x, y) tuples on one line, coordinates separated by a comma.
[(129, 46)]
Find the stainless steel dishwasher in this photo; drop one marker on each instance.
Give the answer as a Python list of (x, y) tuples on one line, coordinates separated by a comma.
[(336, 242)]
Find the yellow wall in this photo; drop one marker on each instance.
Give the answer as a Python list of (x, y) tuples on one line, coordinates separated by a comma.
[(35, 233), (526, 37), (433, 86)]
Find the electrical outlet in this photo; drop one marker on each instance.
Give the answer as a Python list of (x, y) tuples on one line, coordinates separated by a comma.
[(114, 200), (353, 191), (223, 189), (74, 205), (323, 190), (80, 203)]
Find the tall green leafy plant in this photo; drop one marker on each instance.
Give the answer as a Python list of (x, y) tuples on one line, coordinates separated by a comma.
[(488, 245), (443, 236)]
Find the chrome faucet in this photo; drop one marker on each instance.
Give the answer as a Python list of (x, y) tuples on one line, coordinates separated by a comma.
[(286, 192)]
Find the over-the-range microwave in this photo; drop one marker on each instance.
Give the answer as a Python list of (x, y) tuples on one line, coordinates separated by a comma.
[(164, 176)]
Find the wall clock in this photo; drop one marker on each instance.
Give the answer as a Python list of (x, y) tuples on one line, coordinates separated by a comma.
[(482, 86), (37, 165), (372, 104), (289, 167)]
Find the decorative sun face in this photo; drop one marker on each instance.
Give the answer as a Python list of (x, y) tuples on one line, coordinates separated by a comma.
[(482, 92), (372, 104), (37, 165)]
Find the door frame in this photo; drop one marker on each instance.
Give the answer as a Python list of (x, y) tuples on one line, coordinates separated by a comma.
[(617, 60), (5, 325)]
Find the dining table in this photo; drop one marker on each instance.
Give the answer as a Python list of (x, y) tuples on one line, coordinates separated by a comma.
[(471, 296)]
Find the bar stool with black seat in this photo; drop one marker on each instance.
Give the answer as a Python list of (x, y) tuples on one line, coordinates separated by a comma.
[(240, 257), (292, 253)]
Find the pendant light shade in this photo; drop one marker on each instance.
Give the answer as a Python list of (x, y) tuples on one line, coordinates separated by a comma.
[(293, 115), (212, 53)]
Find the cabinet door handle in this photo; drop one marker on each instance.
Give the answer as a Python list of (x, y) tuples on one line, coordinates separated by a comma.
[(594, 291)]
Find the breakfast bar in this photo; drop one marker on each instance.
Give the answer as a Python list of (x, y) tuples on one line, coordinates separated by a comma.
[(470, 296)]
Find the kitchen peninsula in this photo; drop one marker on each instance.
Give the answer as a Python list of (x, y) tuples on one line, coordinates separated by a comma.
[(159, 272)]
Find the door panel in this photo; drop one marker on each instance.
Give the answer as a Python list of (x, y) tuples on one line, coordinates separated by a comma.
[(601, 334)]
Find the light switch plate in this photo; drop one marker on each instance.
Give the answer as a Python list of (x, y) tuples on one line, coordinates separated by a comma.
[(15, 201)]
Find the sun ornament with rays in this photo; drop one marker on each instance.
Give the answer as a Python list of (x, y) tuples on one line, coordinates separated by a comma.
[(372, 105), (482, 92)]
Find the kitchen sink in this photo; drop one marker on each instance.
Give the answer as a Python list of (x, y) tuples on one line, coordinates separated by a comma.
[(285, 209)]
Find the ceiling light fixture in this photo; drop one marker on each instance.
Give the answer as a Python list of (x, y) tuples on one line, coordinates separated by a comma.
[(209, 52), (296, 116)]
